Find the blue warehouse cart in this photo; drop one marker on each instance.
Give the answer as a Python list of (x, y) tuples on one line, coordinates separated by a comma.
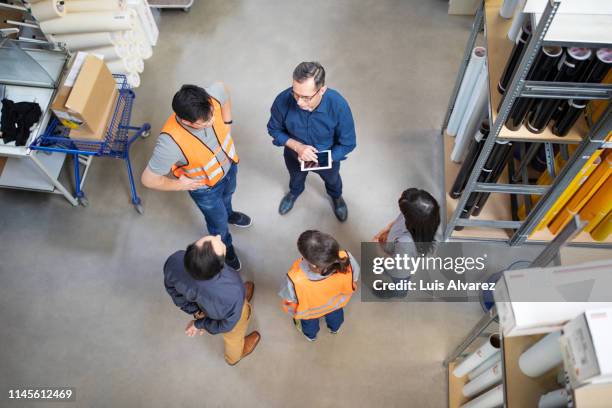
[(116, 143)]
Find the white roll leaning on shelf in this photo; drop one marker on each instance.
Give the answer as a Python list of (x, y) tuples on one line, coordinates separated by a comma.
[(81, 6), (121, 66), (554, 399), (517, 21), (136, 64), (85, 40), (507, 8), (477, 60), (490, 377), (542, 356), (88, 23), (490, 399), (486, 350), (490, 362), (48, 10), (112, 52), (474, 113), (133, 79)]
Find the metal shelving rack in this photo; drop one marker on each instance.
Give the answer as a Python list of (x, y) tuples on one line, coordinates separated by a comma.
[(489, 226)]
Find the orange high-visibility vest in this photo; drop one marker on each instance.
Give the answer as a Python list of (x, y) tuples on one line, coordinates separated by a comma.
[(202, 163), (320, 297)]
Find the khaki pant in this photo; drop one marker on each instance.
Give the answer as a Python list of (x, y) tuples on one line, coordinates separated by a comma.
[(234, 339)]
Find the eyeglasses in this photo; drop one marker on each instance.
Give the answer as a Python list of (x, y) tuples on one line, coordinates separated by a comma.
[(304, 98)]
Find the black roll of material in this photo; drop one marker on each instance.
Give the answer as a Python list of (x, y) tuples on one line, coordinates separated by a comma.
[(573, 65), (505, 152), (494, 165), (468, 164), (570, 112), (541, 70), (515, 56)]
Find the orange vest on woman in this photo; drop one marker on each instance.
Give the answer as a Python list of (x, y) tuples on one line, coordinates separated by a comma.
[(320, 297), (202, 163)]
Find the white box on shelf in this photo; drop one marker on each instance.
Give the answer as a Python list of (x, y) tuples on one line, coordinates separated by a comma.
[(146, 19), (541, 300), (586, 345)]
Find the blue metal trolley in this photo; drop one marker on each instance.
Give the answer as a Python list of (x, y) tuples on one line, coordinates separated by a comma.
[(116, 142)]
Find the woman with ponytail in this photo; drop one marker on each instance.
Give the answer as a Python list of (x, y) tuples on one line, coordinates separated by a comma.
[(319, 284)]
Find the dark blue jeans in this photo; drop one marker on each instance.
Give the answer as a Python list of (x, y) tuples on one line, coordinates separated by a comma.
[(216, 204), (334, 320), (297, 177)]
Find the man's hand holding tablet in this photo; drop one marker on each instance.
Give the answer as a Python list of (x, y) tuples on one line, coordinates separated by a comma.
[(323, 161)]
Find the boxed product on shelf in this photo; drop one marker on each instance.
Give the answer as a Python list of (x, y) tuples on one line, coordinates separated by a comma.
[(83, 101), (541, 300), (587, 347)]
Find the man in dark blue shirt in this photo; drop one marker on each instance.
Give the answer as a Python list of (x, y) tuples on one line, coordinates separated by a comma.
[(201, 284), (308, 118)]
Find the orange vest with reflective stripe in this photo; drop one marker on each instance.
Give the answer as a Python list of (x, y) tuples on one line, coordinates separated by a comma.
[(202, 163), (320, 297)]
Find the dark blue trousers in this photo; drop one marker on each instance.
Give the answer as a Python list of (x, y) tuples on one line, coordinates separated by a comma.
[(334, 320), (297, 178)]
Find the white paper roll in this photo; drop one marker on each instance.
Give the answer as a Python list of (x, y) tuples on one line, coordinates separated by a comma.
[(88, 23), (490, 399), (517, 21), (490, 362), (474, 66), (542, 356), (144, 50), (507, 8), (137, 64), (80, 6), (486, 350), (485, 380), (84, 41), (48, 9), (133, 79), (122, 66), (554, 399), (476, 109), (112, 52)]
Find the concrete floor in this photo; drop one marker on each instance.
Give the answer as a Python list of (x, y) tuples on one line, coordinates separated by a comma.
[(81, 297)]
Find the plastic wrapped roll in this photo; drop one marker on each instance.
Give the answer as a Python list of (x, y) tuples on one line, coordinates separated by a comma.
[(137, 64), (490, 362), (603, 230), (570, 68), (507, 8), (48, 9), (475, 111), (468, 164), (84, 41), (515, 56), (504, 153), (600, 66), (81, 6), (568, 115), (111, 52), (88, 23), (486, 350), (122, 66), (517, 21), (541, 70), (485, 380), (133, 79), (466, 89), (542, 356), (491, 399), (554, 399)]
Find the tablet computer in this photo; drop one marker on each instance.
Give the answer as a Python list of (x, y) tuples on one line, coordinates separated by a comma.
[(324, 162)]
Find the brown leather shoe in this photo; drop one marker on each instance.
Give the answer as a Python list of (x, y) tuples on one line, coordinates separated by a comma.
[(250, 342), (249, 288)]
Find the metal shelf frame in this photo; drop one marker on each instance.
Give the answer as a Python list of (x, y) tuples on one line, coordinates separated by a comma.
[(520, 87)]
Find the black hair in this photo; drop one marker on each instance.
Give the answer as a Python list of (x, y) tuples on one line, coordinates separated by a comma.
[(202, 262), (192, 103), (323, 251), (422, 216), (306, 70)]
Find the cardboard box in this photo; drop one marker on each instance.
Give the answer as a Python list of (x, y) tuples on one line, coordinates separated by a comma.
[(82, 101), (593, 396), (587, 347), (542, 300), (100, 132)]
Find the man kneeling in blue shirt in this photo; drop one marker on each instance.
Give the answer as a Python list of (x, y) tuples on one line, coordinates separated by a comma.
[(309, 118), (202, 285)]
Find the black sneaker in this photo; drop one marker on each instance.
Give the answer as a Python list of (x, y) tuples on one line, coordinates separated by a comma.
[(286, 203), (231, 259), (239, 219), (340, 209)]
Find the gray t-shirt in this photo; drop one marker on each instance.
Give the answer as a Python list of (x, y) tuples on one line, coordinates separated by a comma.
[(167, 153)]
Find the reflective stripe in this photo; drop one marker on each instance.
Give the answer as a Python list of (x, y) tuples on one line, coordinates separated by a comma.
[(199, 177), (332, 305), (232, 153), (228, 138), (215, 173), (211, 163), (194, 170)]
